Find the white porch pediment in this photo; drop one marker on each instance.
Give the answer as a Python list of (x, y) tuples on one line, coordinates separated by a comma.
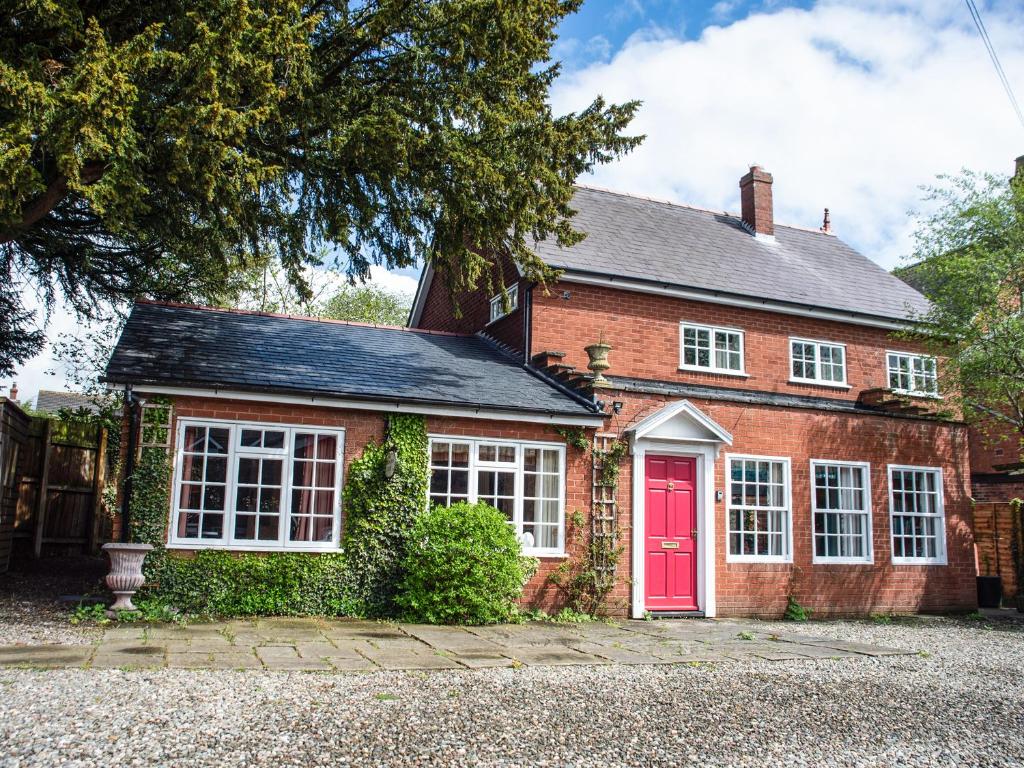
[(680, 422)]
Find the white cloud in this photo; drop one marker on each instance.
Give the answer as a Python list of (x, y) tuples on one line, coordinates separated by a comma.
[(851, 105)]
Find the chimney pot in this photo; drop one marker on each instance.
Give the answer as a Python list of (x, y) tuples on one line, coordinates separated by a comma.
[(826, 224), (14, 391), (1020, 167), (756, 201)]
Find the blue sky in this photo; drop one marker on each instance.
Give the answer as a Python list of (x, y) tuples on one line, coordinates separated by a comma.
[(851, 104), (603, 26)]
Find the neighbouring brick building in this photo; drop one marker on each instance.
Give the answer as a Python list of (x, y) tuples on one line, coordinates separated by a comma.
[(782, 442)]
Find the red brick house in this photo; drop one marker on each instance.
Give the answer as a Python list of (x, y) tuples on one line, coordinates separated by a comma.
[(781, 440)]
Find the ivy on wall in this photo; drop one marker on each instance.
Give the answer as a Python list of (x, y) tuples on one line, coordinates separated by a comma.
[(380, 511)]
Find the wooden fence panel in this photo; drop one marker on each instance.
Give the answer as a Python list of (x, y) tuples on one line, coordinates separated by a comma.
[(994, 531)]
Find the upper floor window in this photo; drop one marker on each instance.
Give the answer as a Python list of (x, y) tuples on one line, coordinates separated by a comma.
[(523, 481), (498, 303), (706, 348), (912, 373), (820, 362), (758, 509), (257, 486), (918, 519)]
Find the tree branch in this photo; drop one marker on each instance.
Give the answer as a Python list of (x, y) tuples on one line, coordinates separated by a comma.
[(42, 205)]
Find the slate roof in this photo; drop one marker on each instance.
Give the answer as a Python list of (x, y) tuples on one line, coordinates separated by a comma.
[(175, 345), (51, 401), (671, 244)]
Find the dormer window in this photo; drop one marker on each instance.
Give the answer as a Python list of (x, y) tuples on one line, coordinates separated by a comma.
[(498, 303), (707, 348), (913, 374)]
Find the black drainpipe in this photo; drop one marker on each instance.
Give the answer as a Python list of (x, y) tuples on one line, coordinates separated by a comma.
[(527, 311), (129, 463)]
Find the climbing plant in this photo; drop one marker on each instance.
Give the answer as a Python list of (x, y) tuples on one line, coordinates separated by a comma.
[(385, 492), (588, 576)]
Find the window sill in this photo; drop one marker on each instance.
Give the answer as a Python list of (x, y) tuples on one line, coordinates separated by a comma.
[(545, 554), (714, 371), (841, 561), (919, 561), (761, 559), (186, 545), (499, 319), (815, 383)]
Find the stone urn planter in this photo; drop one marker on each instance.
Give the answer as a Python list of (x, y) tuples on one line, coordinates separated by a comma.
[(125, 575), (598, 354)]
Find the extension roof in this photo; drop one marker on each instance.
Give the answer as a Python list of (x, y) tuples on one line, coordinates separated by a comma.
[(198, 347)]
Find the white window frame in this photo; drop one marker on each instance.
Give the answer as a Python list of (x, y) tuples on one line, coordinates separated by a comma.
[(711, 367), (517, 516), (497, 307), (940, 517), (787, 483), (817, 380), (227, 540), (869, 549), (911, 356)]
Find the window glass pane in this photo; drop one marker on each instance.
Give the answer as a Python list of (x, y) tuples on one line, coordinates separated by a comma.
[(305, 446), (251, 438), (273, 439)]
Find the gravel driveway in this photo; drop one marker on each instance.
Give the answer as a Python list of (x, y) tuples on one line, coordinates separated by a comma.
[(961, 703)]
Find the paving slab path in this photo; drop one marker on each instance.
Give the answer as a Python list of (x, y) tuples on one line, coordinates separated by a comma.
[(350, 645)]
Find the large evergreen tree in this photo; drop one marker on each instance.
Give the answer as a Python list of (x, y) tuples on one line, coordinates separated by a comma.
[(150, 147)]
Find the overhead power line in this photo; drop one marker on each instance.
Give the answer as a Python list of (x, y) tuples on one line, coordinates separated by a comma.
[(976, 15)]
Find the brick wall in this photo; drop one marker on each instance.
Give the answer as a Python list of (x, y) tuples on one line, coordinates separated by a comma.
[(743, 589), (996, 487), (762, 589), (364, 426), (475, 306), (643, 331)]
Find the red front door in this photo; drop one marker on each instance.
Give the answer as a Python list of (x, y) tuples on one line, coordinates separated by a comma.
[(670, 523)]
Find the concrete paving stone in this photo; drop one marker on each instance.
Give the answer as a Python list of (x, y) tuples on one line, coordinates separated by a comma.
[(326, 650), (117, 660), (189, 660), (617, 655), (484, 660), (285, 665), (386, 660), (778, 655), (817, 651), (859, 648), (344, 664), (235, 661), (552, 657), (277, 653), (127, 633), (449, 638), (361, 629), (45, 655)]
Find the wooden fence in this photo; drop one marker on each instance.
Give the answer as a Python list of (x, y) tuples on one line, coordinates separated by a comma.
[(60, 489), (994, 532)]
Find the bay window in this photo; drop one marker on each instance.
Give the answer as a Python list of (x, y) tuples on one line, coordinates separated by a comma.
[(524, 481), (257, 486)]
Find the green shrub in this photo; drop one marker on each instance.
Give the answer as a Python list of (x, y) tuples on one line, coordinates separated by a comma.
[(464, 566), (380, 513), (218, 583)]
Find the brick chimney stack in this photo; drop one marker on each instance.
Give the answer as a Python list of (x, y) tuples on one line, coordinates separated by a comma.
[(1020, 167), (14, 392), (756, 201)]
